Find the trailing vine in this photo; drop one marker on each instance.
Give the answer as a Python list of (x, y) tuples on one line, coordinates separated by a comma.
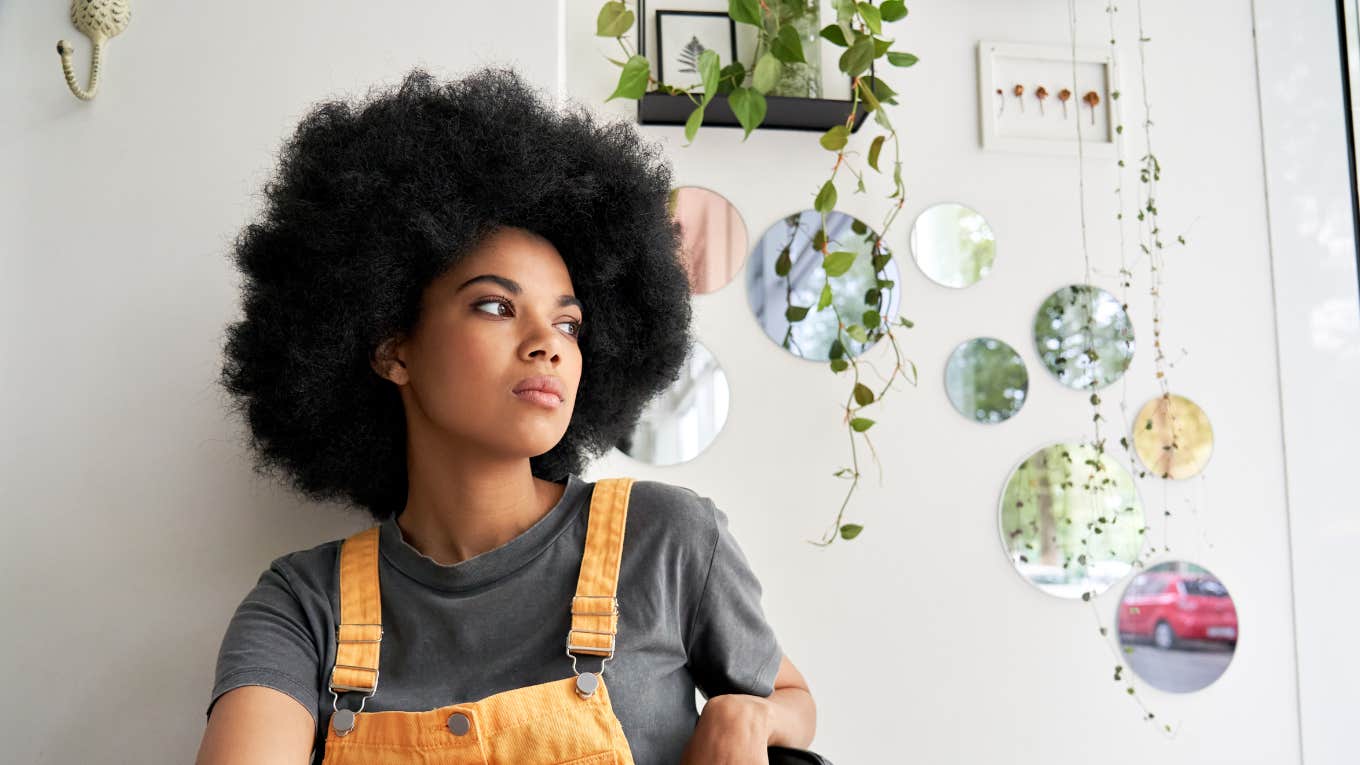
[(858, 29)]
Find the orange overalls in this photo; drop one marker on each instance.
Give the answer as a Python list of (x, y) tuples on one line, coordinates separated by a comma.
[(562, 721)]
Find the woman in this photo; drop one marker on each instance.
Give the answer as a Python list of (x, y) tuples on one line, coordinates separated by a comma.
[(454, 298)]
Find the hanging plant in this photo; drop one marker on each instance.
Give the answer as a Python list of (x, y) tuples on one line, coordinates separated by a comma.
[(858, 29)]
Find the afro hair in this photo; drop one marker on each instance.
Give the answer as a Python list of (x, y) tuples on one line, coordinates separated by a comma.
[(372, 201)]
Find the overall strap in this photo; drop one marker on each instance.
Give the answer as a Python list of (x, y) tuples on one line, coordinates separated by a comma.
[(595, 609), (358, 637)]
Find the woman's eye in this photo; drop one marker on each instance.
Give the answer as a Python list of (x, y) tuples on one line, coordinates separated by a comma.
[(495, 302), (575, 324)]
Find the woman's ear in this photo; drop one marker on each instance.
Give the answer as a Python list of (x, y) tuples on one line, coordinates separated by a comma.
[(387, 363)]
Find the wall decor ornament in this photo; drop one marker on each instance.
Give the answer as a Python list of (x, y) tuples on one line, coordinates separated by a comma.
[(1172, 437), (986, 380), (683, 421), (1178, 626), (1084, 336), (790, 288), (953, 244), (714, 242), (682, 36), (1071, 520), (100, 21)]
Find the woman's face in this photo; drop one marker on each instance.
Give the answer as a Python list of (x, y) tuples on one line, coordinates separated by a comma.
[(504, 313)]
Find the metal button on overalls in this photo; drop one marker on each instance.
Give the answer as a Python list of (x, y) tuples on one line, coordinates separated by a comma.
[(459, 723), (571, 718)]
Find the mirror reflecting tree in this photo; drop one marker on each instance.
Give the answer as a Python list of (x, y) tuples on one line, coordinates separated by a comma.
[(1084, 336), (683, 420), (952, 244), (986, 380)]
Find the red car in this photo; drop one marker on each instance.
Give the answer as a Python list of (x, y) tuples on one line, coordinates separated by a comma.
[(1170, 607)]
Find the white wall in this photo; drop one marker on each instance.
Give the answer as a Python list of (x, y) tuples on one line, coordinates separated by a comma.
[(136, 524)]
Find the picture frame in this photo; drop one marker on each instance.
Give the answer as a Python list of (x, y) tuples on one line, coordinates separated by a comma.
[(683, 35), (1010, 126)]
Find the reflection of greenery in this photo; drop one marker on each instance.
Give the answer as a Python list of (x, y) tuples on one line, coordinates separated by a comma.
[(953, 244), (986, 380), (1049, 518), (1084, 336), (802, 79)]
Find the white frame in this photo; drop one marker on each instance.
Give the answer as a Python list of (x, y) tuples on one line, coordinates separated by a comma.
[(1092, 145)]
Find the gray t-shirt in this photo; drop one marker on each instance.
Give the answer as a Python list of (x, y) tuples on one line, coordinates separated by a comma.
[(689, 616)]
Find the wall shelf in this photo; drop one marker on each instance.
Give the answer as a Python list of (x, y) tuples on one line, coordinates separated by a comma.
[(781, 112)]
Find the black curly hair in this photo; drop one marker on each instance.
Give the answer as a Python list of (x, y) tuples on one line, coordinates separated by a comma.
[(373, 201)]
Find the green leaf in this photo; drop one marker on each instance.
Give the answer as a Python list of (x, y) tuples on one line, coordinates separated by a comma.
[(826, 198), (839, 365), (633, 79), (749, 106), (835, 138), (893, 10), (851, 530), (833, 33), (787, 47), (767, 72), (881, 90), (881, 46), (857, 57), (857, 332), (838, 262), (731, 77), (696, 118), (795, 312), (872, 18), (836, 350), (859, 227), (874, 149), (863, 396), (819, 240), (866, 93), (861, 424), (614, 20), (708, 70), (825, 299), (871, 319), (901, 59), (744, 11), (782, 263)]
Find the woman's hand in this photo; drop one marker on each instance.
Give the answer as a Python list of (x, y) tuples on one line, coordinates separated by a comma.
[(734, 729)]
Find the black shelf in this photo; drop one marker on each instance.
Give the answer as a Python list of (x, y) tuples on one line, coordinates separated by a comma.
[(781, 112)]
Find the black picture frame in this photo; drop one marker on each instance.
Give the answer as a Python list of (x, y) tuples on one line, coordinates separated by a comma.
[(661, 50)]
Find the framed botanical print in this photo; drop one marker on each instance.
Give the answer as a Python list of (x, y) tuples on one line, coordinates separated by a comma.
[(682, 35)]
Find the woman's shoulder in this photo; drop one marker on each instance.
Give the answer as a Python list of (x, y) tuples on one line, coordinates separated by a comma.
[(672, 511)]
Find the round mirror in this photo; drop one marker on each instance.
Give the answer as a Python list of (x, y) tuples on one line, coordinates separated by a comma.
[(683, 420), (1177, 626), (986, 380), (1173, 437), (1071, 521), (952, 244), (1084, 336), (714, 237), (792, 296)]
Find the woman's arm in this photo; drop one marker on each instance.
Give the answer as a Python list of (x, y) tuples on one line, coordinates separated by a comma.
[(736, 728), (257, 725)]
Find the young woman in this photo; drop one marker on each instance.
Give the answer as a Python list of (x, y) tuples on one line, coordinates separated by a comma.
[(456, 296)]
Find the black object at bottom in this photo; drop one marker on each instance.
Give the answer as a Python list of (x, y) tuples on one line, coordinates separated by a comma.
[(783, 755)]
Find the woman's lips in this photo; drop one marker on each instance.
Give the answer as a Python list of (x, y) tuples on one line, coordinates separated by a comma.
[(541, 398)]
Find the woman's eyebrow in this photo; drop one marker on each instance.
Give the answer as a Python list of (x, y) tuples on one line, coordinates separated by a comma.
[(514, 288)]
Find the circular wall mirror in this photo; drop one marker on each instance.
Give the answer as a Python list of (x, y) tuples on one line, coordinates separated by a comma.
[(953, 245), (792, 296), (1177, 626), (1068, 526), (986, 380), (683, 420), (1173, 437), (1084, 336), (714, 237)]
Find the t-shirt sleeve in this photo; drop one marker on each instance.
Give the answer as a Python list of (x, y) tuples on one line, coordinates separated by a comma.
[(731, 646), (269, 642)]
